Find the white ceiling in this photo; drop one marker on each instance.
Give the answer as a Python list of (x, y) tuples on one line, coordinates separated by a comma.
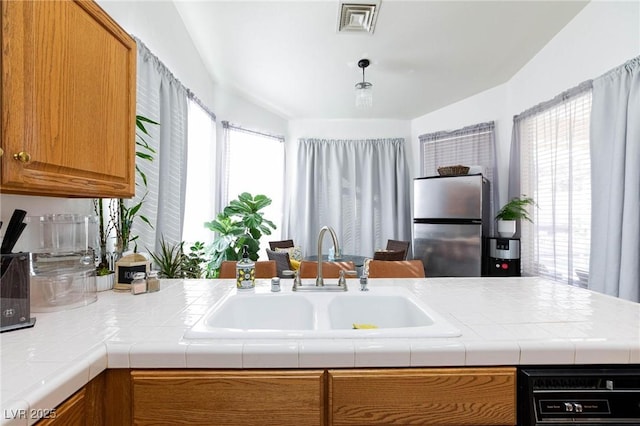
[(288, 57)]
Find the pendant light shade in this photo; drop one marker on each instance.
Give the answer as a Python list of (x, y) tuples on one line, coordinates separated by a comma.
[(364, 89)]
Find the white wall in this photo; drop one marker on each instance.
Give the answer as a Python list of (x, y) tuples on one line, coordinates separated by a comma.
[(159, 26), (602, 36)]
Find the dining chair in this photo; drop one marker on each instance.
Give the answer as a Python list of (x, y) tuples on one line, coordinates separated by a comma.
[(280, 244), (399, 245), (389, 255), (309, 269), (396, 269), (264, 269)]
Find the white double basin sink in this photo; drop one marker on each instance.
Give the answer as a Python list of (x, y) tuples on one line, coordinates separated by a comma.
[(393, 312)]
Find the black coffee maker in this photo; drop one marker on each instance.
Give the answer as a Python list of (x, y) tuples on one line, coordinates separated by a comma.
[(14, 279)]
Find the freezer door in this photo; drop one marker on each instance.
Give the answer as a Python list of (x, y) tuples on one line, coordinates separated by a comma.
[(455, 197), (448, 250)]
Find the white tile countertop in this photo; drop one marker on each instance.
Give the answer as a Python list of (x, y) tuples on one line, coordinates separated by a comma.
[(503, 321)]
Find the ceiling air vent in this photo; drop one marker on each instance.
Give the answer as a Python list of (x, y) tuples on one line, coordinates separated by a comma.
[(358, 17)]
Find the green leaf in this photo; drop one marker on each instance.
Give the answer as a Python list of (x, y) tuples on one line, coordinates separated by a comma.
[(144, 156)]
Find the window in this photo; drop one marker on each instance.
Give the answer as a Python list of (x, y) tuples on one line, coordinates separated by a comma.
[(555, 169), (471, 145), (199, 199), (255, 164)]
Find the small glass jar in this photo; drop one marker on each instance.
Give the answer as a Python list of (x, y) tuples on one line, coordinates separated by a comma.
[(275, 284), (153, 283), (139, 284)]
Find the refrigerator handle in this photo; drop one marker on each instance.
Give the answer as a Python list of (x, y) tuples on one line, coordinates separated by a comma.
[(449, 221)]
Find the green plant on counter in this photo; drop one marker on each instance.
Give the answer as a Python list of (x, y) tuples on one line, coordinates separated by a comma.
[(117, 217), (240, 223), (193, 264), (169, 259), (126, 215), (172, 261), (516, 209), (103, 270)]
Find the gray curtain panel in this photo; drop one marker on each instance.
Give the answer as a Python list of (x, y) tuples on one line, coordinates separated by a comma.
[(615, 170), (161, 97), (222, 169), (359, 187)]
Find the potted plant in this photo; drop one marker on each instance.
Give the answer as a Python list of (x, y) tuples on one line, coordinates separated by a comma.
[(514, 210), (240, 223), (173, 262), (169, 259), (115, 216)]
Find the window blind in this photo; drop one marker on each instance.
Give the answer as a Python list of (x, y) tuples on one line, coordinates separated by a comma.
[(555, 170), (471, 145)]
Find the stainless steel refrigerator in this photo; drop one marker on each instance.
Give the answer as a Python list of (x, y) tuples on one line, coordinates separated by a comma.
[(450, 220)]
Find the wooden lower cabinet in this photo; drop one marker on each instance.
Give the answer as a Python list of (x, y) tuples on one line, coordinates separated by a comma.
[(69, 413), (83, 408), (383, 396), (195, 397), (430, 396)]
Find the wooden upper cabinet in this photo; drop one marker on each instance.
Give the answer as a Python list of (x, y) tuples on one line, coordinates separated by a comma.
[(68, 101)]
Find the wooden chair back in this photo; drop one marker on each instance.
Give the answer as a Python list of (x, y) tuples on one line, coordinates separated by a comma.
[(389, 255), (396, 269), (280, 244), (399, 245), (309, 269), (264, 269)]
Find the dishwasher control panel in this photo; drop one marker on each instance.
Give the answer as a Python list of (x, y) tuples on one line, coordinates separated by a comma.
[(559, 395)]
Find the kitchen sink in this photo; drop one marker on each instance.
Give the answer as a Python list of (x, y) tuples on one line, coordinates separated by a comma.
[(264, 312), (383, 312)]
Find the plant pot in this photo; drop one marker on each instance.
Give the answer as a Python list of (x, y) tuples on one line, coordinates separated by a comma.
[(506, 228), (105, 282)]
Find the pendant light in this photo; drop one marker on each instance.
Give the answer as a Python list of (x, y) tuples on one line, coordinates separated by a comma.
[(364, 89)]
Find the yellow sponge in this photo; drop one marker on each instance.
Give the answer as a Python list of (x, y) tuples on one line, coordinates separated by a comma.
[(363, 326)]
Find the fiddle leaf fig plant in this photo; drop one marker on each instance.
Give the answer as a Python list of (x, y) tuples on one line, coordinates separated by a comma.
[(240, 223)]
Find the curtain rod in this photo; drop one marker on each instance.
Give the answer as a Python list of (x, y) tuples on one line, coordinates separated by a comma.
[(164, 69), (226, 124)]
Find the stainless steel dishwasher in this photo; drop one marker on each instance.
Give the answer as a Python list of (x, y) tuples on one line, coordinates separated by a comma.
[(563, 395)]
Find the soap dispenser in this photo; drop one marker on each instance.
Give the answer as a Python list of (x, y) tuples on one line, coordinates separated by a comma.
[(245, 271)]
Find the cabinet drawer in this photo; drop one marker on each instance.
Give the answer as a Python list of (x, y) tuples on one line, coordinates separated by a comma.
[(448, 396)]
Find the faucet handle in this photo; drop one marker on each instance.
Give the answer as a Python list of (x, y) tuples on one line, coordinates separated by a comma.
[(364, 280), (342, 282)]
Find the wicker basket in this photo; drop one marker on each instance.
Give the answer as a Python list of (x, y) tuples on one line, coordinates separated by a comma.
[(453, 170)]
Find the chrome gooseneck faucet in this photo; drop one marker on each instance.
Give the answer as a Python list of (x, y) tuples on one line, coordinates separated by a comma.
[(323, 230)]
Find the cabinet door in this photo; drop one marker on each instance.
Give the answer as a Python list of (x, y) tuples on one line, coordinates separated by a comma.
[(68, 101), (228, 398), (70, 413), (464, 396)]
